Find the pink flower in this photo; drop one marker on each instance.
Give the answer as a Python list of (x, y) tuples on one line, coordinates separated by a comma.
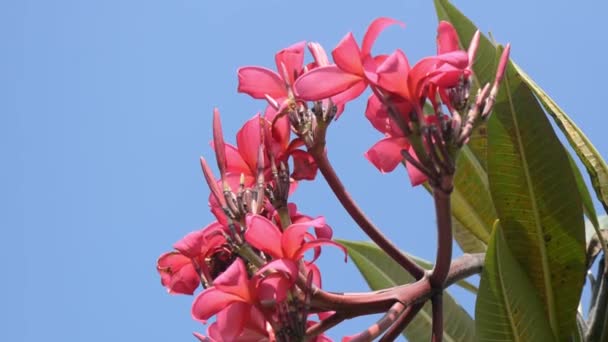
[(242, 159), (262, 83), (385, 155), (177, 273), (180, 270), (234, 291), (354, 69), (255, 328), (289, 246)]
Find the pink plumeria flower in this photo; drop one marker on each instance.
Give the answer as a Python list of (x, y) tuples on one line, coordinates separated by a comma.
[(255, 329), (263, 83), (234, 291), (180, 270), (386, 155), (355, 68), (289, 246)]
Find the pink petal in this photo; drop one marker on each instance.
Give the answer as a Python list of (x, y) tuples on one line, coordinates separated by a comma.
[(374, 29), (349, 94), (293, 236), (274, 286), (258, 81), (316, 274), (347, 55), (264, 235), (248, 140), (231, 321), (377, 114), (234, 281), (235, 163), (458, 58), (210, 302), (304, 165), (318, 243), (324, 82), (393, 73), (447, 38), (385, 155), (416, 176), (203, 338), (177, 273), (291, 59), (318, 53)]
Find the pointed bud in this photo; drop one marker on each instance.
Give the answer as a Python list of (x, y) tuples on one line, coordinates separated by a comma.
[(502, 65), (473, 47), (218, 143), (212, 183)]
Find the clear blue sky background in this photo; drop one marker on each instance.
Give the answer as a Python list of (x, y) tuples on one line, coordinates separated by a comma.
[(105, 108)]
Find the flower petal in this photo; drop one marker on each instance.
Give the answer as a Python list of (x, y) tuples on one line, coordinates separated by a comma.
[(274, 286), (258, 81), (264, 235), (210, 302), (393, 73), (248, 140), (293, 236), (318, 243), (416, 176), (324, 82), (289, 61), (374, 29), (447, 38), (304, 165), (234, 281), (177, 273), (385, 155), (349, 94), (347, 55), (231, 321)]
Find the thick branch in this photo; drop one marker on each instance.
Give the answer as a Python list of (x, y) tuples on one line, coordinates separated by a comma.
[(402, 322), (444, 237), (409, 294)]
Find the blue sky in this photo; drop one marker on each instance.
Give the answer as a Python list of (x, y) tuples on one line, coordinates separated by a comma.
[(105, 107)]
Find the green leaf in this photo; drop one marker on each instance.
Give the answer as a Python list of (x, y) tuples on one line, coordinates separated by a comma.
[(380, 272), (537, 201), (472, 203), (508, 307), (532, 186), (584, 192), (589, 156)]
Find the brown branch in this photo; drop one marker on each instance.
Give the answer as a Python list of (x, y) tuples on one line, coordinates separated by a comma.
[(402, 322), (360, 218)]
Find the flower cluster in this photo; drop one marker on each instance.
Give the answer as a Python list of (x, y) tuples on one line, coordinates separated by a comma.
[(252, 262)]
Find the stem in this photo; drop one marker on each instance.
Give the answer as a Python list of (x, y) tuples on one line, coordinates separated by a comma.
[(444, 237), (324, 325), (360, 218), (402, 322), (598, 328), (383, 323), (437, 302)]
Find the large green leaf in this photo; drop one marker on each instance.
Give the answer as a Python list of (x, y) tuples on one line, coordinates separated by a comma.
[(537, 201), (380, 272), (508, 307), (532, 186), (593, 161)]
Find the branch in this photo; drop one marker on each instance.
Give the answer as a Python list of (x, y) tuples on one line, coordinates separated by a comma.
[(409, 294), (402, 322), (357, 214), (444, 237)]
